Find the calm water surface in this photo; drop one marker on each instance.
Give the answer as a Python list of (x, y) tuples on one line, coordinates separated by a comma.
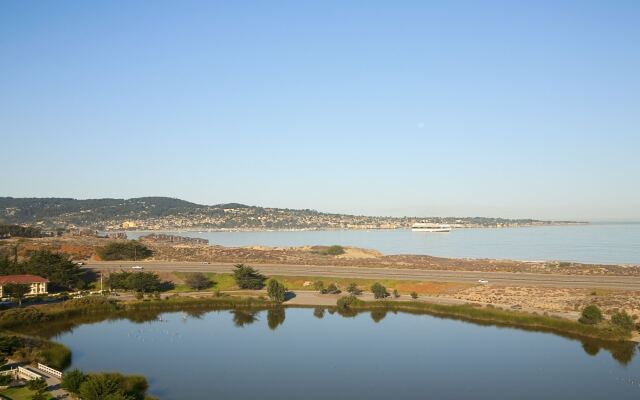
[(593, 243), (312, 354)]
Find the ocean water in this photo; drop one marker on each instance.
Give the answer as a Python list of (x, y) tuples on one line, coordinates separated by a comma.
[(592, 243)]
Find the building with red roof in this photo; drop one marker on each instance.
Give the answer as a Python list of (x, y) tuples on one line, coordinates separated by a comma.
[(38, 284)]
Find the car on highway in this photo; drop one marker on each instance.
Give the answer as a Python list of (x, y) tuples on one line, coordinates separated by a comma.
[(137, 267), (483, 281)]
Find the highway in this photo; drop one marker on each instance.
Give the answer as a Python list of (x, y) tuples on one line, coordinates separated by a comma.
[(494, 278)]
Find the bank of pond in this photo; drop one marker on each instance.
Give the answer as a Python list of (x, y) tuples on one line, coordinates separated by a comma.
[(183, 345)]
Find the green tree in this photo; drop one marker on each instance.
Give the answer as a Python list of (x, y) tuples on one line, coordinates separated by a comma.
[(16, 291), (71, 380), (124, 250), (414, 295), (198, 281), (318, 285), (62, 273), (37, 385), (591, 315), (396, 294), (145, 282), (247, 277), (99, 386), (623, 320), (354, 289), (331, 289), (42, 395), (379, 291), (276, 290)]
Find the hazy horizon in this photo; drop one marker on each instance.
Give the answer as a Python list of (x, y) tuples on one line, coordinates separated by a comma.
[(498, 109)]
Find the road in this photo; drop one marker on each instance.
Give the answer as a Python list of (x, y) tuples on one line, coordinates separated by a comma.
[(494, 278)]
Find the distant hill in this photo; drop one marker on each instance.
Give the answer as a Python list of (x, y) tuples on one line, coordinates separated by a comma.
[(165, 213)]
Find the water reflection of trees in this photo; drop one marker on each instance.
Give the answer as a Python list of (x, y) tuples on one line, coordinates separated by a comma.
[(275, 317), (621, 351), (244, 317)]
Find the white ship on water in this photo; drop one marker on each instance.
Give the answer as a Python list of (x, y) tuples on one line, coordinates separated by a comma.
[(430, 227)]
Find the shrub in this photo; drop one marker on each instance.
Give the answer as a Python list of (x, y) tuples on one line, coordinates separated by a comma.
[(623, 320), (72, 380), (346, 301), (334, 250), (139, 295), (379, 291), (396, 294), (591, 315), (124, 250), (331, 289), (414, 295), (354, 289), (37, 385), (198, 281), (247, 277), (276, 290)]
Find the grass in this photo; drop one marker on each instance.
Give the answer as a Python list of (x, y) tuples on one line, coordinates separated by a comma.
[(18, 393), (225, 282), (495, 316)]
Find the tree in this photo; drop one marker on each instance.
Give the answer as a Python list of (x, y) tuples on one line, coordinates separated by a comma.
[(72, 380), (396, 294), (331, 289), (276, 290), (379, 291), (37, 385), (41, 395), (63, 274), (623, 320), (198, 281), (143, 282), (124, 250), (99, 387), (591, 315), (318, 285), (414, 295), (16, 291), (247, 277), (354, 289)]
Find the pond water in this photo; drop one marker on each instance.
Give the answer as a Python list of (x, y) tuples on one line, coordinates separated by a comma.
[(313, 354), (593, 243)]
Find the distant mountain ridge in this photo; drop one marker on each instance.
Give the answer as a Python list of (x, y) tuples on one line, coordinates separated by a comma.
[(163, 213)]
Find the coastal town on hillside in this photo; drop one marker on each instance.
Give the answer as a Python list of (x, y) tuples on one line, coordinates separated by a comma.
[(157, 213)]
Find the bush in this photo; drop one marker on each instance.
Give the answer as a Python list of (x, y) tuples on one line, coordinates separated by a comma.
[(414, 295), (354, 289), (379, 291), (334, 250), (136, 281), (37, 385), (72, 380), (331, 289), (247, 277), (346, 301), (198, 281), (396, 294), (276, 290), (623, 320), (124, 250), (591, 315)]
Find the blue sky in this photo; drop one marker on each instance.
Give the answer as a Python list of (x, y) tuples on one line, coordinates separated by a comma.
[(495, 108)]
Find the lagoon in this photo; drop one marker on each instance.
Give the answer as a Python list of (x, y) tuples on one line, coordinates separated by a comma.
[(314, 354)]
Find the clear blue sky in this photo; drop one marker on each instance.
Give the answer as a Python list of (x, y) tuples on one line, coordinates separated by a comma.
[(495, 108)]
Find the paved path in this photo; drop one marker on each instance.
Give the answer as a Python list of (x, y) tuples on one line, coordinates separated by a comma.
[(496, 278)]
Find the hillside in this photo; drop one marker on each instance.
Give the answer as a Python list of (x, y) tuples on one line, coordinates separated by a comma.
[(164, 213)]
